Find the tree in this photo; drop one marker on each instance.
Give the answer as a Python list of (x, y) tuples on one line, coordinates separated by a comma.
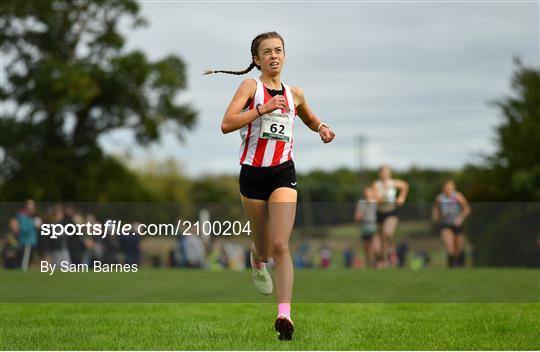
[(69, 81), (506, 234), (516, 163)]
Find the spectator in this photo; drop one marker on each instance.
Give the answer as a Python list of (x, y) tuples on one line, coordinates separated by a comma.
[(75, 244), (402, 250), (89, 251), (348, 257), (130, 246), (57, 250), (27, 232), (325, 256), (420, 260), (235, 256), (192, 252), (10, 246), (303, 257)]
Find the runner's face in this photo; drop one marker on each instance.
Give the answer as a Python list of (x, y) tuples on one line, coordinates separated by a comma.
[(449, 188), (368, 193), (31, 207), (14, 225), (271, 56), (385, 173)]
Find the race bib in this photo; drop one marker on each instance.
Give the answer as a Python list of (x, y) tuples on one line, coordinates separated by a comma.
[(276, 126)]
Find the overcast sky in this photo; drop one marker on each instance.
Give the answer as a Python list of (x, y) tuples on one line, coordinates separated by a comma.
[(414, 78)]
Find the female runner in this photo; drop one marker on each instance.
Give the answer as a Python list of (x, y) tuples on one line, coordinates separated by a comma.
[(366, 213), (263, 109), (390, 194), (450, 210)]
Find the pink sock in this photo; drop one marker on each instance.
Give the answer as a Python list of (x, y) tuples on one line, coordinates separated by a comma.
[(285, 309), (258, 265)]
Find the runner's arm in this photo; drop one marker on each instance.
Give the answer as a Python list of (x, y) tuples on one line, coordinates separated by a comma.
[(403, 191), (435, 212), (465, 208), (309, 118), (358, 213), (235, 119)]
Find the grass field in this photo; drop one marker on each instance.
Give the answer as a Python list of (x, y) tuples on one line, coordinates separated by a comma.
[(310, 286), (506, 320), (249, 326)]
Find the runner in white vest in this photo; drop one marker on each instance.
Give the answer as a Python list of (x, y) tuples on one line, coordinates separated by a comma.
[(390, 194)]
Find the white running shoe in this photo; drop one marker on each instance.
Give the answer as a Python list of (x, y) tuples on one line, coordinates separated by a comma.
[(261, 278)]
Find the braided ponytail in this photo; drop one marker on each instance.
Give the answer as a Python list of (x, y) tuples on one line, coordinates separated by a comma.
[(207, 72), (254, 52)]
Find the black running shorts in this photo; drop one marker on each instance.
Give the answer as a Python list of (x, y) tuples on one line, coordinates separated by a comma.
[(260, 182), (456, 230), (383, 215)]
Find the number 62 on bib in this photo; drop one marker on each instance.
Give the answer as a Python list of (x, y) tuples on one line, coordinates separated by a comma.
[(276, 127)]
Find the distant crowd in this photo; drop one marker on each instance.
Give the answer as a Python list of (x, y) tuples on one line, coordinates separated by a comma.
[(23, 245)]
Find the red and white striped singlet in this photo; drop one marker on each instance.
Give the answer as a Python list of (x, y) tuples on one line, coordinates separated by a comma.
[(256, 151)]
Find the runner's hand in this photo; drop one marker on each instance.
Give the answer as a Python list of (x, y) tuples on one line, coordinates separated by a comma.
[(277, 102), (327, 135)]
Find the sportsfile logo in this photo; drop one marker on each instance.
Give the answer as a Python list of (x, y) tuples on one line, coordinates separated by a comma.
[(120, 228)]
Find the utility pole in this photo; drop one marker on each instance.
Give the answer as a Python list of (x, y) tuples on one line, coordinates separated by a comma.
[(361, 142)]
